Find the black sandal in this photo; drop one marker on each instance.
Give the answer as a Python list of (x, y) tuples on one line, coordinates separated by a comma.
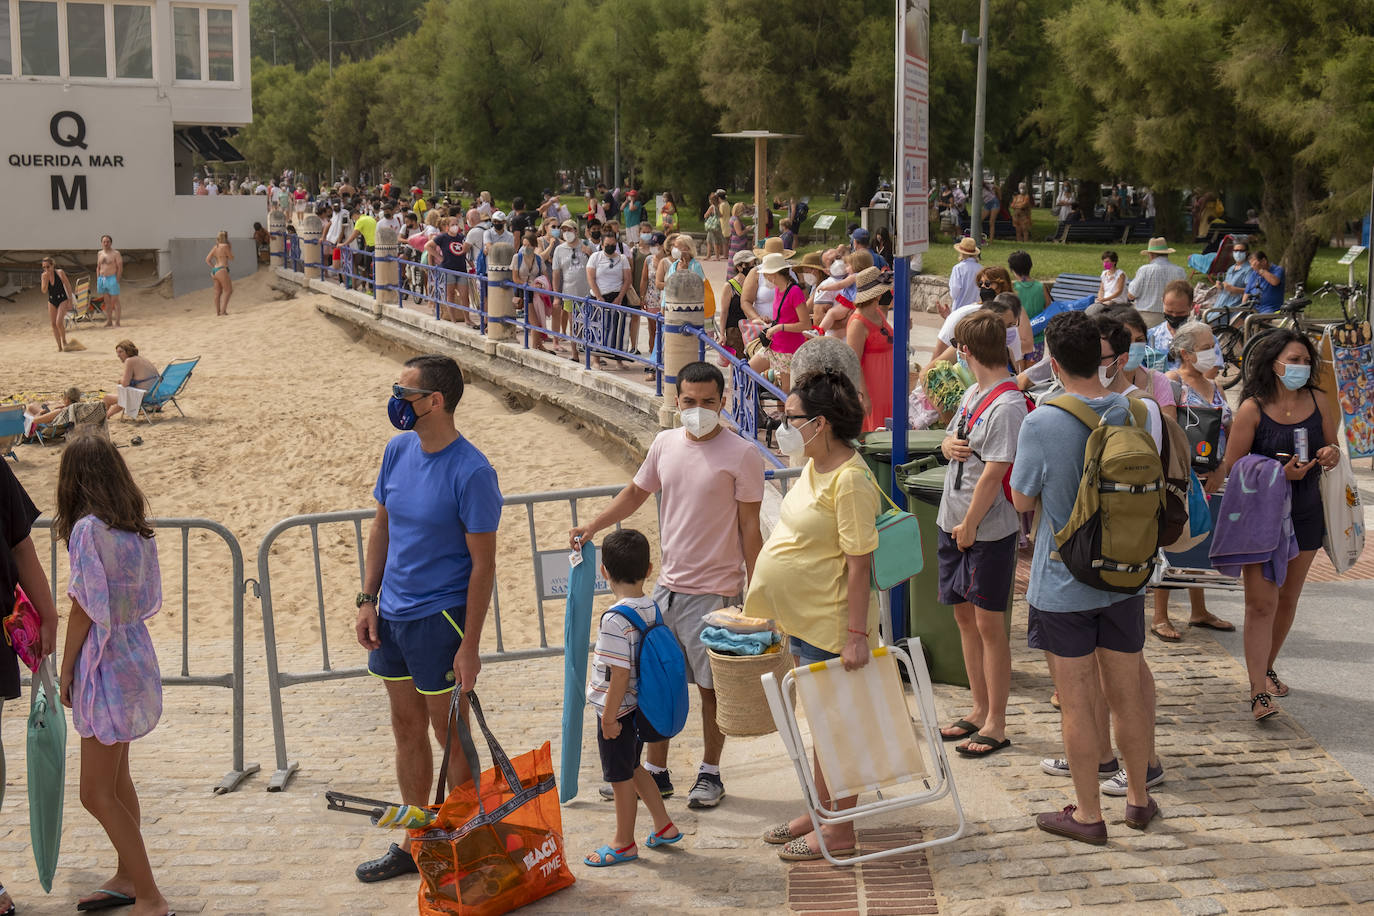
[(1265, 700), (1280, 688), (392, 864)]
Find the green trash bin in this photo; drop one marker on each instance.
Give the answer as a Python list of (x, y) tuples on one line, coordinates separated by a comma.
[(876, 449), (924, 483)]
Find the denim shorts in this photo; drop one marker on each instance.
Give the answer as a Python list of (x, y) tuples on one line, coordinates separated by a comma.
[(808, 653)]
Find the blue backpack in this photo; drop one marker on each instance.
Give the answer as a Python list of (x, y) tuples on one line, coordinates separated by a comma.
[(662, 673)]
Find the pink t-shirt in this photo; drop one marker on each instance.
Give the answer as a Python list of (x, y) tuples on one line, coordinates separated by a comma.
[(789, 313), (698, 525)]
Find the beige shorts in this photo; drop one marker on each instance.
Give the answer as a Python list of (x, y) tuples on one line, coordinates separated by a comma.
[(685, 615)]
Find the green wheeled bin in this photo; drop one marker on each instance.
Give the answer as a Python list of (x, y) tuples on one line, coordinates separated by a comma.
[(924, 481), (876, 449)]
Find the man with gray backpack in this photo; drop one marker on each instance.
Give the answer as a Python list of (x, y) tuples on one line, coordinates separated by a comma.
[(1087, 463)]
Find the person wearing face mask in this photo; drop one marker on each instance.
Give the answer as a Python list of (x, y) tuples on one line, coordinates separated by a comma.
[(497, 233), (428, 574), (1237, 277), (783, 337), (1111, 288), (869, 335), (711, 485), (829, 313), (569, 279), (1265, 285), (1279, 399), (1178, 308), (813, 575), (1140, 356), (608, 277)]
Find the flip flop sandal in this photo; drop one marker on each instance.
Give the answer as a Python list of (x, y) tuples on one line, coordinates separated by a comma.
[(990, 745), (1213, 622), (1160, 636), (967, 730), (606, 856), (800, 851), (392, 864), (1054, 699), (779, 835), (110, 901), (1266, 701), (657, 839), (1280, 688)]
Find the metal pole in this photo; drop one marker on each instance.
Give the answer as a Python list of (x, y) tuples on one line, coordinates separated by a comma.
[(979, 111), (760, 215), (332, 173), (901, 327), (615, 169)]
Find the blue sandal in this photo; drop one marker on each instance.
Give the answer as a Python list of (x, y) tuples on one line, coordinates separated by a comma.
[(658, 839), (607, 856)]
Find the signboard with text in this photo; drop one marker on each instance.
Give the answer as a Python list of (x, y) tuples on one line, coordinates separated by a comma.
[(554, 571), (912, 127)]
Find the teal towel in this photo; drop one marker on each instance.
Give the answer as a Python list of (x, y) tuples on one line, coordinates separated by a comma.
[(577, 634), (727, 642)]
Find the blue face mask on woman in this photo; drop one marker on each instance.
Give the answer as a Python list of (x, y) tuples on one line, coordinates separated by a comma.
[(1295, 375), (1136, 356)]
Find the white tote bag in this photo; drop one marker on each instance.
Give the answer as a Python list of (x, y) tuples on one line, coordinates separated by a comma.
[(1344, 539)]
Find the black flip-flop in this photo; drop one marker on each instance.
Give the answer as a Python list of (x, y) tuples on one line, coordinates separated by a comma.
[(992, 746), (1208, 625), (969, 729), (1154, 629), (392, 864), (111, 900)]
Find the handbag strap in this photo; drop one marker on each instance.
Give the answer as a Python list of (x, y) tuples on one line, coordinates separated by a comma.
[(882, 492), (456, 725), (43, 678)]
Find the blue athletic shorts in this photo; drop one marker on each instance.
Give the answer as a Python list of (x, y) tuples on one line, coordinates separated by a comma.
[(419, 650), (107, 286)]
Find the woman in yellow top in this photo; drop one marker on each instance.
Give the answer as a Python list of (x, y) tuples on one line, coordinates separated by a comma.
[(813, 574)]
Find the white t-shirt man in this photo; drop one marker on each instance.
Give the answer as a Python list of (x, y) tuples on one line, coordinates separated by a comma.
[(571, 261), (609, 271), (946, 334)]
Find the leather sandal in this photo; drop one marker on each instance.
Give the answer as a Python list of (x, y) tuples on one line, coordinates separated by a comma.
[(1280, 688), (1267, 706)]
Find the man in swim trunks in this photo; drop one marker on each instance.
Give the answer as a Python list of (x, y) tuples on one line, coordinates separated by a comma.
[(109, 269)]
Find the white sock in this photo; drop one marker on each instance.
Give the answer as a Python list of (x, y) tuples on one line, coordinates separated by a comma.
[(653, 769), (710, 769)]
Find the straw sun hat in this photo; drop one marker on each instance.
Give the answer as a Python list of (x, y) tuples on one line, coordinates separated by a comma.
[(968, 247), (773, 246), (1158, 245), (869, 285), (773, 263)]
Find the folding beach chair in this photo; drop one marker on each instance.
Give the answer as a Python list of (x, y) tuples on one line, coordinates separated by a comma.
[(85, 307), (169, 385), (866, 739), (11, 429)]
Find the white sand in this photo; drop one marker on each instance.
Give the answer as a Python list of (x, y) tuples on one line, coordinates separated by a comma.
[(286, 414)]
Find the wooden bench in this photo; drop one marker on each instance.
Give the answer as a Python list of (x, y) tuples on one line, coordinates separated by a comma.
[(1071, 287), (1142, 229), (1095, 230)]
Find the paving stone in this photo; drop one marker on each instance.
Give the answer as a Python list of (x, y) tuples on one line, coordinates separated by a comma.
[(1199, 906), (1155, 892), (1100, 896), (1282, 879), (1063, 883), (1035, 903), (1313, 896), (1361, 892), (1024, 868), (1245, 883), (1175, 873), (1138, 876)]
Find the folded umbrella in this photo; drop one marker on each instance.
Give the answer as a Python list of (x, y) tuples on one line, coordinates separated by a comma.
[(577, 632), (47, 759)]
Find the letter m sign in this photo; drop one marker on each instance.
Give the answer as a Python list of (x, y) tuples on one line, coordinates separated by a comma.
[(72, 198)]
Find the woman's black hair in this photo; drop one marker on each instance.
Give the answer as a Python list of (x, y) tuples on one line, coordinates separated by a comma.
[(1020, 263), (829, 393), (1260, 381)]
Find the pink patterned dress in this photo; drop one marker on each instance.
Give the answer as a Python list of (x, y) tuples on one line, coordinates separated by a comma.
[(117, 688)]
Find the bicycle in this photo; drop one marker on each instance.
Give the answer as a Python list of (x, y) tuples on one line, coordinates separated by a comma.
[(1290, 315), (1227, 323)]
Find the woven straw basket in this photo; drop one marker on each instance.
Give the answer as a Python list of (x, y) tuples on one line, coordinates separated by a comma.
[(741, 708)]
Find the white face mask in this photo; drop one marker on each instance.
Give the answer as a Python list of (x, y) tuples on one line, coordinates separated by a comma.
[(699, 421), (1105, 376), (837, 269), (1205, 359), (1014, 341), (790, 441)]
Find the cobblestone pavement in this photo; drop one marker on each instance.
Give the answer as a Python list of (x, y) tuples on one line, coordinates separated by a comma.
[(1254, 817)]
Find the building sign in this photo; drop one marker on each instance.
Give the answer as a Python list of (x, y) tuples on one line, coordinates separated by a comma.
[(67, 129), (912, 127)]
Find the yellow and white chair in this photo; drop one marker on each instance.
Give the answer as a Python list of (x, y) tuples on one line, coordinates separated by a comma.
[(866, 740)]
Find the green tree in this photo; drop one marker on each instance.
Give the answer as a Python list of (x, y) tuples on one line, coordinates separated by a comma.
[(284, 114), (343, 131), (297, 32)]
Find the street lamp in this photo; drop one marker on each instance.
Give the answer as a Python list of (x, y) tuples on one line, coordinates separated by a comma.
[(979, 113), (331, 77)]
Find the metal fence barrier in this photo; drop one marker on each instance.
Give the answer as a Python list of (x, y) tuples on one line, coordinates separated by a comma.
[(546, 568), (234, 679)]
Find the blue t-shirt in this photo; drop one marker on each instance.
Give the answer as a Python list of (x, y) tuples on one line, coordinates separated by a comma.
[(1270, 294), (432, 502), (1049, 464)]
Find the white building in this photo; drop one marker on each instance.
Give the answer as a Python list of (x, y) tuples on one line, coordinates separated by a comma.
[(104, 103)]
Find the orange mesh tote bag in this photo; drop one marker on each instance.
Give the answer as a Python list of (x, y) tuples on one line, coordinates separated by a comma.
[(497, 843)]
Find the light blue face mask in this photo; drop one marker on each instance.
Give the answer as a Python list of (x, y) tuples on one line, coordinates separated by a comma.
[(1136, 355), (556, 233), (1295, 376), (963, 363)]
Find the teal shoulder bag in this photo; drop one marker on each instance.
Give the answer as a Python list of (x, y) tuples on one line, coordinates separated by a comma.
[(898, 557)]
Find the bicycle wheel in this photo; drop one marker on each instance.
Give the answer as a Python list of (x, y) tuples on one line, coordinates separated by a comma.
[(1250, 347), (1232, 344)]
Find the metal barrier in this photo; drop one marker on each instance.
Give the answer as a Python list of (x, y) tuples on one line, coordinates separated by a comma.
[(546, 588), (234, 679)]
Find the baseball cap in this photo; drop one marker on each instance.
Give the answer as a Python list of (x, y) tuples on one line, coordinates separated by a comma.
[(500, 217), (858, 235), (568, 224)]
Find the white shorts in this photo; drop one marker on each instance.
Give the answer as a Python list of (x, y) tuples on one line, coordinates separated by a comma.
[(685, 615), (632, 233)]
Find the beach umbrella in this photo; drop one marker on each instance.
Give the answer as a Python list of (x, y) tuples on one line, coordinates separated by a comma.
[(47, 759), (577, 631)]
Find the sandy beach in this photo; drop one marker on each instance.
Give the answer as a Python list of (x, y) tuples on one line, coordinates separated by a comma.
[(286, 414)]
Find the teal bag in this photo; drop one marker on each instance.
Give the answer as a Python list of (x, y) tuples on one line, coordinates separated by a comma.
[(898, 557)]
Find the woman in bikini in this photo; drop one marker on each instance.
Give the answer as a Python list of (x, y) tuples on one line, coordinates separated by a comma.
[(59, 292), (138, 373), (218, 261)]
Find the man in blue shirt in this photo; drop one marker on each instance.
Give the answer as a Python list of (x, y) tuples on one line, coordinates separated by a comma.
[(430, 567), (1080, 628), (1266, 283), (1237, 277), (860, 239)]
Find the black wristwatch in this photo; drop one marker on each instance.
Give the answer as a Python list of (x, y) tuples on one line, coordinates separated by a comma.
[(364, 598)]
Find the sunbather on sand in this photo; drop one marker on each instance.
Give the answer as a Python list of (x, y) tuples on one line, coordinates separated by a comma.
[(138, 373)]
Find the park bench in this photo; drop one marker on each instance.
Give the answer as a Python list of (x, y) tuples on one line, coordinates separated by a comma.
[(1096, 230), (1072, 287), (1217, 231), (1142, 229)]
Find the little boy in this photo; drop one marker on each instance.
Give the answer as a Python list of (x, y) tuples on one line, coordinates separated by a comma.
[(979, 528), (612, 690)]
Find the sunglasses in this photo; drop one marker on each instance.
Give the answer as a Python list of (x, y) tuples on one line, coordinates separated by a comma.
[(401, 391)]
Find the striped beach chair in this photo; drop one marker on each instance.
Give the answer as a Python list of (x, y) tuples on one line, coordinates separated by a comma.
[(866, 740)]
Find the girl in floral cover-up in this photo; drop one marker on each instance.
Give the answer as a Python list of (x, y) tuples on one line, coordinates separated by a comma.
[(110, 676)]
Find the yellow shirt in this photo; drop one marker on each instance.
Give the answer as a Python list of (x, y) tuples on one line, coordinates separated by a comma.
[(800, 578)]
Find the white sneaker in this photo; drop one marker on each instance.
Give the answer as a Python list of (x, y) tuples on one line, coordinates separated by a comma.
[(1058, 766), (1117, 784)]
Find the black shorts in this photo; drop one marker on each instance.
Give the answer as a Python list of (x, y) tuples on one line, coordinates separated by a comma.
[(1074, 634), (9, 673), (620, 755), (982, 576)]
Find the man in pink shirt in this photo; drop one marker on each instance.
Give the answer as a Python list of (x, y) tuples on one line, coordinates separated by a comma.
[(711, 482)]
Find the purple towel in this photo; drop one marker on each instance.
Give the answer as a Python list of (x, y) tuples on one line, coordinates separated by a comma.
[(1255, 524)]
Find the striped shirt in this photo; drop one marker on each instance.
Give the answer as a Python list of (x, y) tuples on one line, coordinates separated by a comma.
[(617, 645)]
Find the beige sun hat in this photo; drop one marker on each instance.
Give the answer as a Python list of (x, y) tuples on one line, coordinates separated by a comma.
[(743, 257), (1158, 245), (774, 263), (869, 284), (773, 246), (968, 247)]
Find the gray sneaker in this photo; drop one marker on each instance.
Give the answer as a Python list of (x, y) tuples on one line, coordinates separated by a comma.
[(707, 793), (663, 780), (1058, 766), (1117, 784)]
